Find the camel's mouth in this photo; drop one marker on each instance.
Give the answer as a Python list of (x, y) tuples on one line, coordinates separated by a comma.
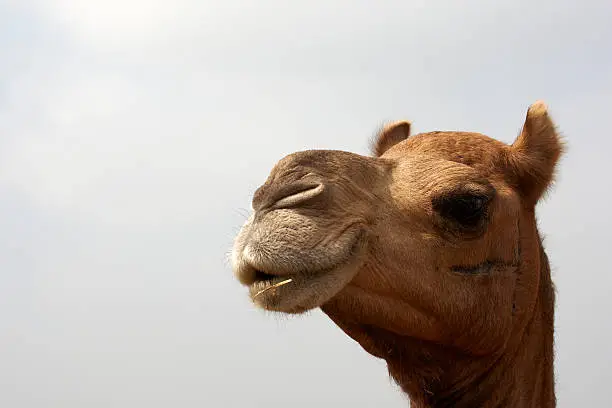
[(298, 291), (285, 292), (261, 276), (264, 282), (274, 292), (295, 293)]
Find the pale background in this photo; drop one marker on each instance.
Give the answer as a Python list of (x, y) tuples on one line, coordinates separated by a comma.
[(132, 134)]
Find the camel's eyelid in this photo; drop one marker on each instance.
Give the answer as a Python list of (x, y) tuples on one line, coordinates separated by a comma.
[(482, 190)]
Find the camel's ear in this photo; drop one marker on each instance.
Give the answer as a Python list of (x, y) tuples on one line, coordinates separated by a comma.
[(389, 136), (535, 153)]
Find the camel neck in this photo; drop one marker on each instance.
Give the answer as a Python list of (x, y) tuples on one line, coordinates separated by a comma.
[(521, 375)]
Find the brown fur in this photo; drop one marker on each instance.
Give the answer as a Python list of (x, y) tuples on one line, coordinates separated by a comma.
[(389, 136), (427, 254)]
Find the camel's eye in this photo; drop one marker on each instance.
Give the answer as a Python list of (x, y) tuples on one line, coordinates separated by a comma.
[(466, 209)]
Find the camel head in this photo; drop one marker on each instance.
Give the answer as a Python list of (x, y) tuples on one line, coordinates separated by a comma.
[(433, 238)]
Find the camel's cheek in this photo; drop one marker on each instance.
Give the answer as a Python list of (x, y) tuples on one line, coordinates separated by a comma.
[(480, 321), (471, 312)]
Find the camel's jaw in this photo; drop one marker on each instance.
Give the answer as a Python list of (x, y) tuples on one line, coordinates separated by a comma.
[(290, 290), (301, 292), (296, 294)]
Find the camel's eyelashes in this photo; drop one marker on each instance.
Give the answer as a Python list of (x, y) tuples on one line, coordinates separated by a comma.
[(466, 209)]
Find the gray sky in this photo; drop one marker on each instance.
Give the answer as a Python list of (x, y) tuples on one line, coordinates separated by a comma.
[(133, 133)]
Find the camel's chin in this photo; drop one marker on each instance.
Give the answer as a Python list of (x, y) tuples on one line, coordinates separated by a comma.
[(296, 294)]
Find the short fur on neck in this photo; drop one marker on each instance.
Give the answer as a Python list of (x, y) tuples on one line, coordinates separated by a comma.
[(436, 376)]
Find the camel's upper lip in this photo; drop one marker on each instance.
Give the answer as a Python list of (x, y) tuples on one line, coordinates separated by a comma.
[(254, 269), (249, 274)]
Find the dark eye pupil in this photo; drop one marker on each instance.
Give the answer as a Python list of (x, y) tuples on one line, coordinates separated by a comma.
[(467, 210)]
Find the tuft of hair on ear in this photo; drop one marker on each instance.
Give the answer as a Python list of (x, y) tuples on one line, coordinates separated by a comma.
[(390, 135), (535, 153)]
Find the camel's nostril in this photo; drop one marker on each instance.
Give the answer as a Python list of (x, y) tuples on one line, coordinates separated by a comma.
[(298, 194)]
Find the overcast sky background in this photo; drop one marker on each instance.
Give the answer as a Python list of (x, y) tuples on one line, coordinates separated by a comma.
[(133, 133)]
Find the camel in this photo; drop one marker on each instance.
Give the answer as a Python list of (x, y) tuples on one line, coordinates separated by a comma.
[(426, 253)]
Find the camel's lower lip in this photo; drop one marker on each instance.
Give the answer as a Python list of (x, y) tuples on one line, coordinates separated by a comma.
[(297, 293), (285, 293)]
